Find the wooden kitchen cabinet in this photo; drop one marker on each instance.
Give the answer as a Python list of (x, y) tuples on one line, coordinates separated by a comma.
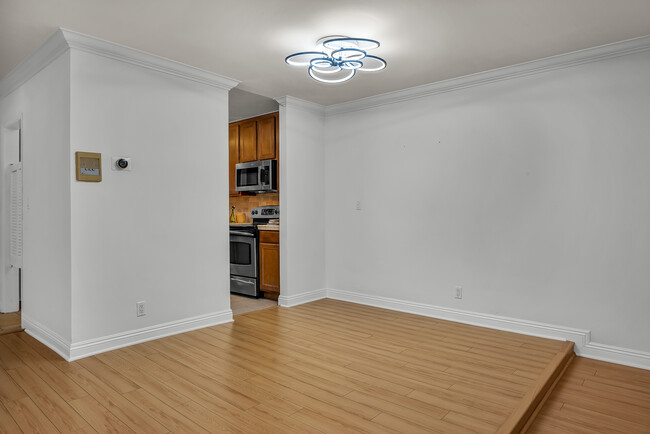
[(248, 141), (251, 140), (267, 137), (269, 250), (233, 155), (258, 138)]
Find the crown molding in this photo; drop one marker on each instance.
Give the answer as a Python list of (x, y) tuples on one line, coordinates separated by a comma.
[(561, 61), (51, 49), (63, 40), (301, 104), (119, 52)]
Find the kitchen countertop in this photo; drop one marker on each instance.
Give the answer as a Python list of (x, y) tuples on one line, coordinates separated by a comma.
[(241, 224), (268, 227)]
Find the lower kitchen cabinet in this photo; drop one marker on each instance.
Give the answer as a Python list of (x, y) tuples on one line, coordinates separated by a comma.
[(270, 264)]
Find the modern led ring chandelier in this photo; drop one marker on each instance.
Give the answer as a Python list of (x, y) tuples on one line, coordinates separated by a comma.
[(339, 59)]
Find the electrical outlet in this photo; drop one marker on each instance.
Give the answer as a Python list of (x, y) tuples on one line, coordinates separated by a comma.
[(459, 292), (139, 309), (357, 205)]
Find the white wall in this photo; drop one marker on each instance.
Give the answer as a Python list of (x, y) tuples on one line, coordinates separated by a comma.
[(530, 193), (157, 233), (44, 102), (302, 201)]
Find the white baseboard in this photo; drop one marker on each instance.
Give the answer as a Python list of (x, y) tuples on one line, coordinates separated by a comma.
[(305, 297), (47, 337), (622, 356), (75, 351), (582, 338)]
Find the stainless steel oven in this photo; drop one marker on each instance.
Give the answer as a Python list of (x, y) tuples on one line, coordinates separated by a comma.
[(243, 260), (244, 268)]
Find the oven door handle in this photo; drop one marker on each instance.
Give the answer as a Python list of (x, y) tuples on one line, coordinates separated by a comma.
[(241, 280), (243, 234)]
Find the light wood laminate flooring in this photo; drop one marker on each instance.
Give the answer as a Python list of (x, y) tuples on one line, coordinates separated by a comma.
[(10, 322), (597, 397), (326, 366)]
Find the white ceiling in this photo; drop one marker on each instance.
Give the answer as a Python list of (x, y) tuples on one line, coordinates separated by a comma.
[(423, 41)]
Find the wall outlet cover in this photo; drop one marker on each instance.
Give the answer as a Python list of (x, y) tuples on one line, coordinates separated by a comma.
[(139, 309)]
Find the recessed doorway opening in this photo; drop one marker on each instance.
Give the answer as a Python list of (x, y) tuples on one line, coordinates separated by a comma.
[(11, 226)]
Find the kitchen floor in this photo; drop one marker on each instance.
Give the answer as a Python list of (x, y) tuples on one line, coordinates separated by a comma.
[(242, 304)]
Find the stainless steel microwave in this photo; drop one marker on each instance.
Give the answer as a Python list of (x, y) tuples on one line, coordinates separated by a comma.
[(257, 176)]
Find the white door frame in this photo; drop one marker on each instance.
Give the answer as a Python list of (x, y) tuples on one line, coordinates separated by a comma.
[(10, 153)]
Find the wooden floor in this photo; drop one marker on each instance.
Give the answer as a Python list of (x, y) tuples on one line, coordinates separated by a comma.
[(326, 366), (597, 397), (9, 322)]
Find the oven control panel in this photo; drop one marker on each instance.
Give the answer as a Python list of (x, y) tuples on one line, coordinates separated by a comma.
[(268, 211)]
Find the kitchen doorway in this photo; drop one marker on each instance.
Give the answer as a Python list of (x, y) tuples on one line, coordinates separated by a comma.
[(253, 119)]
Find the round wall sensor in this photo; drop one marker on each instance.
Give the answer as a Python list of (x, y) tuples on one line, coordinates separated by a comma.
[(122, 163)]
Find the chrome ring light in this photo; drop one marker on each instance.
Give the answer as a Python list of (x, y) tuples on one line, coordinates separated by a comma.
[(339, 60)]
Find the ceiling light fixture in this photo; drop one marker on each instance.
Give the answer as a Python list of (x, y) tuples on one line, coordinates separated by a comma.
[(339, 59)]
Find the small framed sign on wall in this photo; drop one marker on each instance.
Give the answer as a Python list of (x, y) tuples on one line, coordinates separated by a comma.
[(89, 166)]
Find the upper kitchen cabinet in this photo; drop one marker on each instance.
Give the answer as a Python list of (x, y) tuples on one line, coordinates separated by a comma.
[(233, 155), (267, 137), (258, 138), (248, 141), (252, 140)]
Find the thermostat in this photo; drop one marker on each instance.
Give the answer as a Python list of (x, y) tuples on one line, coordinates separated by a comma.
[(121, 163), (89, 166)]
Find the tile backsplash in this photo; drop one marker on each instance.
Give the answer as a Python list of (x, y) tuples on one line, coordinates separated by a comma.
[(246, 203)]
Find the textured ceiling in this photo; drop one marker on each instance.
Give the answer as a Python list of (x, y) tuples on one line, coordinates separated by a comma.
[(423, 41)]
